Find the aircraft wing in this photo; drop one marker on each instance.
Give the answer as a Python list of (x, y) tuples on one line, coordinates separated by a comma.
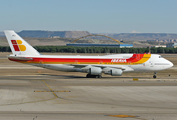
[(101, 66)]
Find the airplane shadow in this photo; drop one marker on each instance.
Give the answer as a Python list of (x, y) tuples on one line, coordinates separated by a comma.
[(64, 76), (104, 77)]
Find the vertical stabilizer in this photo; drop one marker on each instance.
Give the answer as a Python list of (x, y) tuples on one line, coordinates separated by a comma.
[(18, 45)]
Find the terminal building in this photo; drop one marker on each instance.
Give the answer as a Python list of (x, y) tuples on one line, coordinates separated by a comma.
[(99, 45)]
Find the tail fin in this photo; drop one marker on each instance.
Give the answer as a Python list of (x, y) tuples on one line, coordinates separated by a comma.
[(18, 45)]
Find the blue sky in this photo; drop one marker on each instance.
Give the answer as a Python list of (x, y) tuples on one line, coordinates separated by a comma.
[(95, 16)]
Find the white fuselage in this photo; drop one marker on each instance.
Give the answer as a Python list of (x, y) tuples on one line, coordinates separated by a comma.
[(154, 63)]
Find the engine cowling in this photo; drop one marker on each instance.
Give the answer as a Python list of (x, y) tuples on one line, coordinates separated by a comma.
[(113, 71), (116, 72), (93, 70)]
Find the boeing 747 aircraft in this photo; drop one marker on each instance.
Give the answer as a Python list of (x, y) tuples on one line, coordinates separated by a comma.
[(94, 66)]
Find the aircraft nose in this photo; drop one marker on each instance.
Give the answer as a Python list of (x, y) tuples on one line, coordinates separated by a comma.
[(171, 64)]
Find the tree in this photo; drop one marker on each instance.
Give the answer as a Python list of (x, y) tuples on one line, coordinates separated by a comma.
[(53, 49), (75, 51), (85, 50), (123, 50), (160, 50), (153, 50), (127, 50), (118, 50)]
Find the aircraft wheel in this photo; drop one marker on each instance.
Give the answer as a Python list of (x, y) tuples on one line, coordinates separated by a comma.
[(88, 76), (154, 76), (93, 76), (96, 76)]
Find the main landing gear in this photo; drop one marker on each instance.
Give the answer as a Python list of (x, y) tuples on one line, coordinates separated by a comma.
[(154, 76), (93, 76)]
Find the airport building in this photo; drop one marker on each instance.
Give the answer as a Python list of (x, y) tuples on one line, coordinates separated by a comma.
[(99, 45), (160, 46), (171, 45)]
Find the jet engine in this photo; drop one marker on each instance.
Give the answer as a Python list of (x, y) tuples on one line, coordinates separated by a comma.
[(93, 70), (113, 71)]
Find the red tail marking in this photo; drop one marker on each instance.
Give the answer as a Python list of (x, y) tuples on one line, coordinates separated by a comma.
[(14, 43)]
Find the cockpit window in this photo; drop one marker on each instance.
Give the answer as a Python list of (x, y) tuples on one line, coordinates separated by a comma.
[(160, 57)]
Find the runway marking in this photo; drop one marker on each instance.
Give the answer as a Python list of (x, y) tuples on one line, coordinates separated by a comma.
[(42, 80), (127, 116), (123, 116), (27, 102), (50, 89), (135, 79)]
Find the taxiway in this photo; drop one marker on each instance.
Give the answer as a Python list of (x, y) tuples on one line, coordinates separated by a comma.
[(44, 97)]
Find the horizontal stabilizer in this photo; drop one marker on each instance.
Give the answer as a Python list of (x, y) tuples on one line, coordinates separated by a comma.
[(19, 58)]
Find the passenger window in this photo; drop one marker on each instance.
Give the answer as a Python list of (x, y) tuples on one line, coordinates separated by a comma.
[(160, 57)]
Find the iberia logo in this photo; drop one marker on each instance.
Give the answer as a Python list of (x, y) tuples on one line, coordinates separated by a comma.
[(17, 44)]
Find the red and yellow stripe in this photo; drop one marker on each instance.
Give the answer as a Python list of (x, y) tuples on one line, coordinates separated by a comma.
[(135, 59)]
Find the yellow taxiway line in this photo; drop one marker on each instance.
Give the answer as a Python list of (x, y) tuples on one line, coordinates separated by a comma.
[(50, 89)]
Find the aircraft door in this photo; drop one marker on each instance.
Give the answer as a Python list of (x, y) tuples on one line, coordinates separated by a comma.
[(151, 64)]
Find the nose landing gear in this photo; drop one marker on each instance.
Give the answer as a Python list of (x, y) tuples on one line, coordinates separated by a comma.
[(154, 76)]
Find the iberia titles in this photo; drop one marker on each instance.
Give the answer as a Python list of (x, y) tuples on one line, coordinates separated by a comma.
[(119, 60)]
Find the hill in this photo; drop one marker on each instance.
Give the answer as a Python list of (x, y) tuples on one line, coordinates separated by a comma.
[(142, 36), (78, 34), (49, 34)]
